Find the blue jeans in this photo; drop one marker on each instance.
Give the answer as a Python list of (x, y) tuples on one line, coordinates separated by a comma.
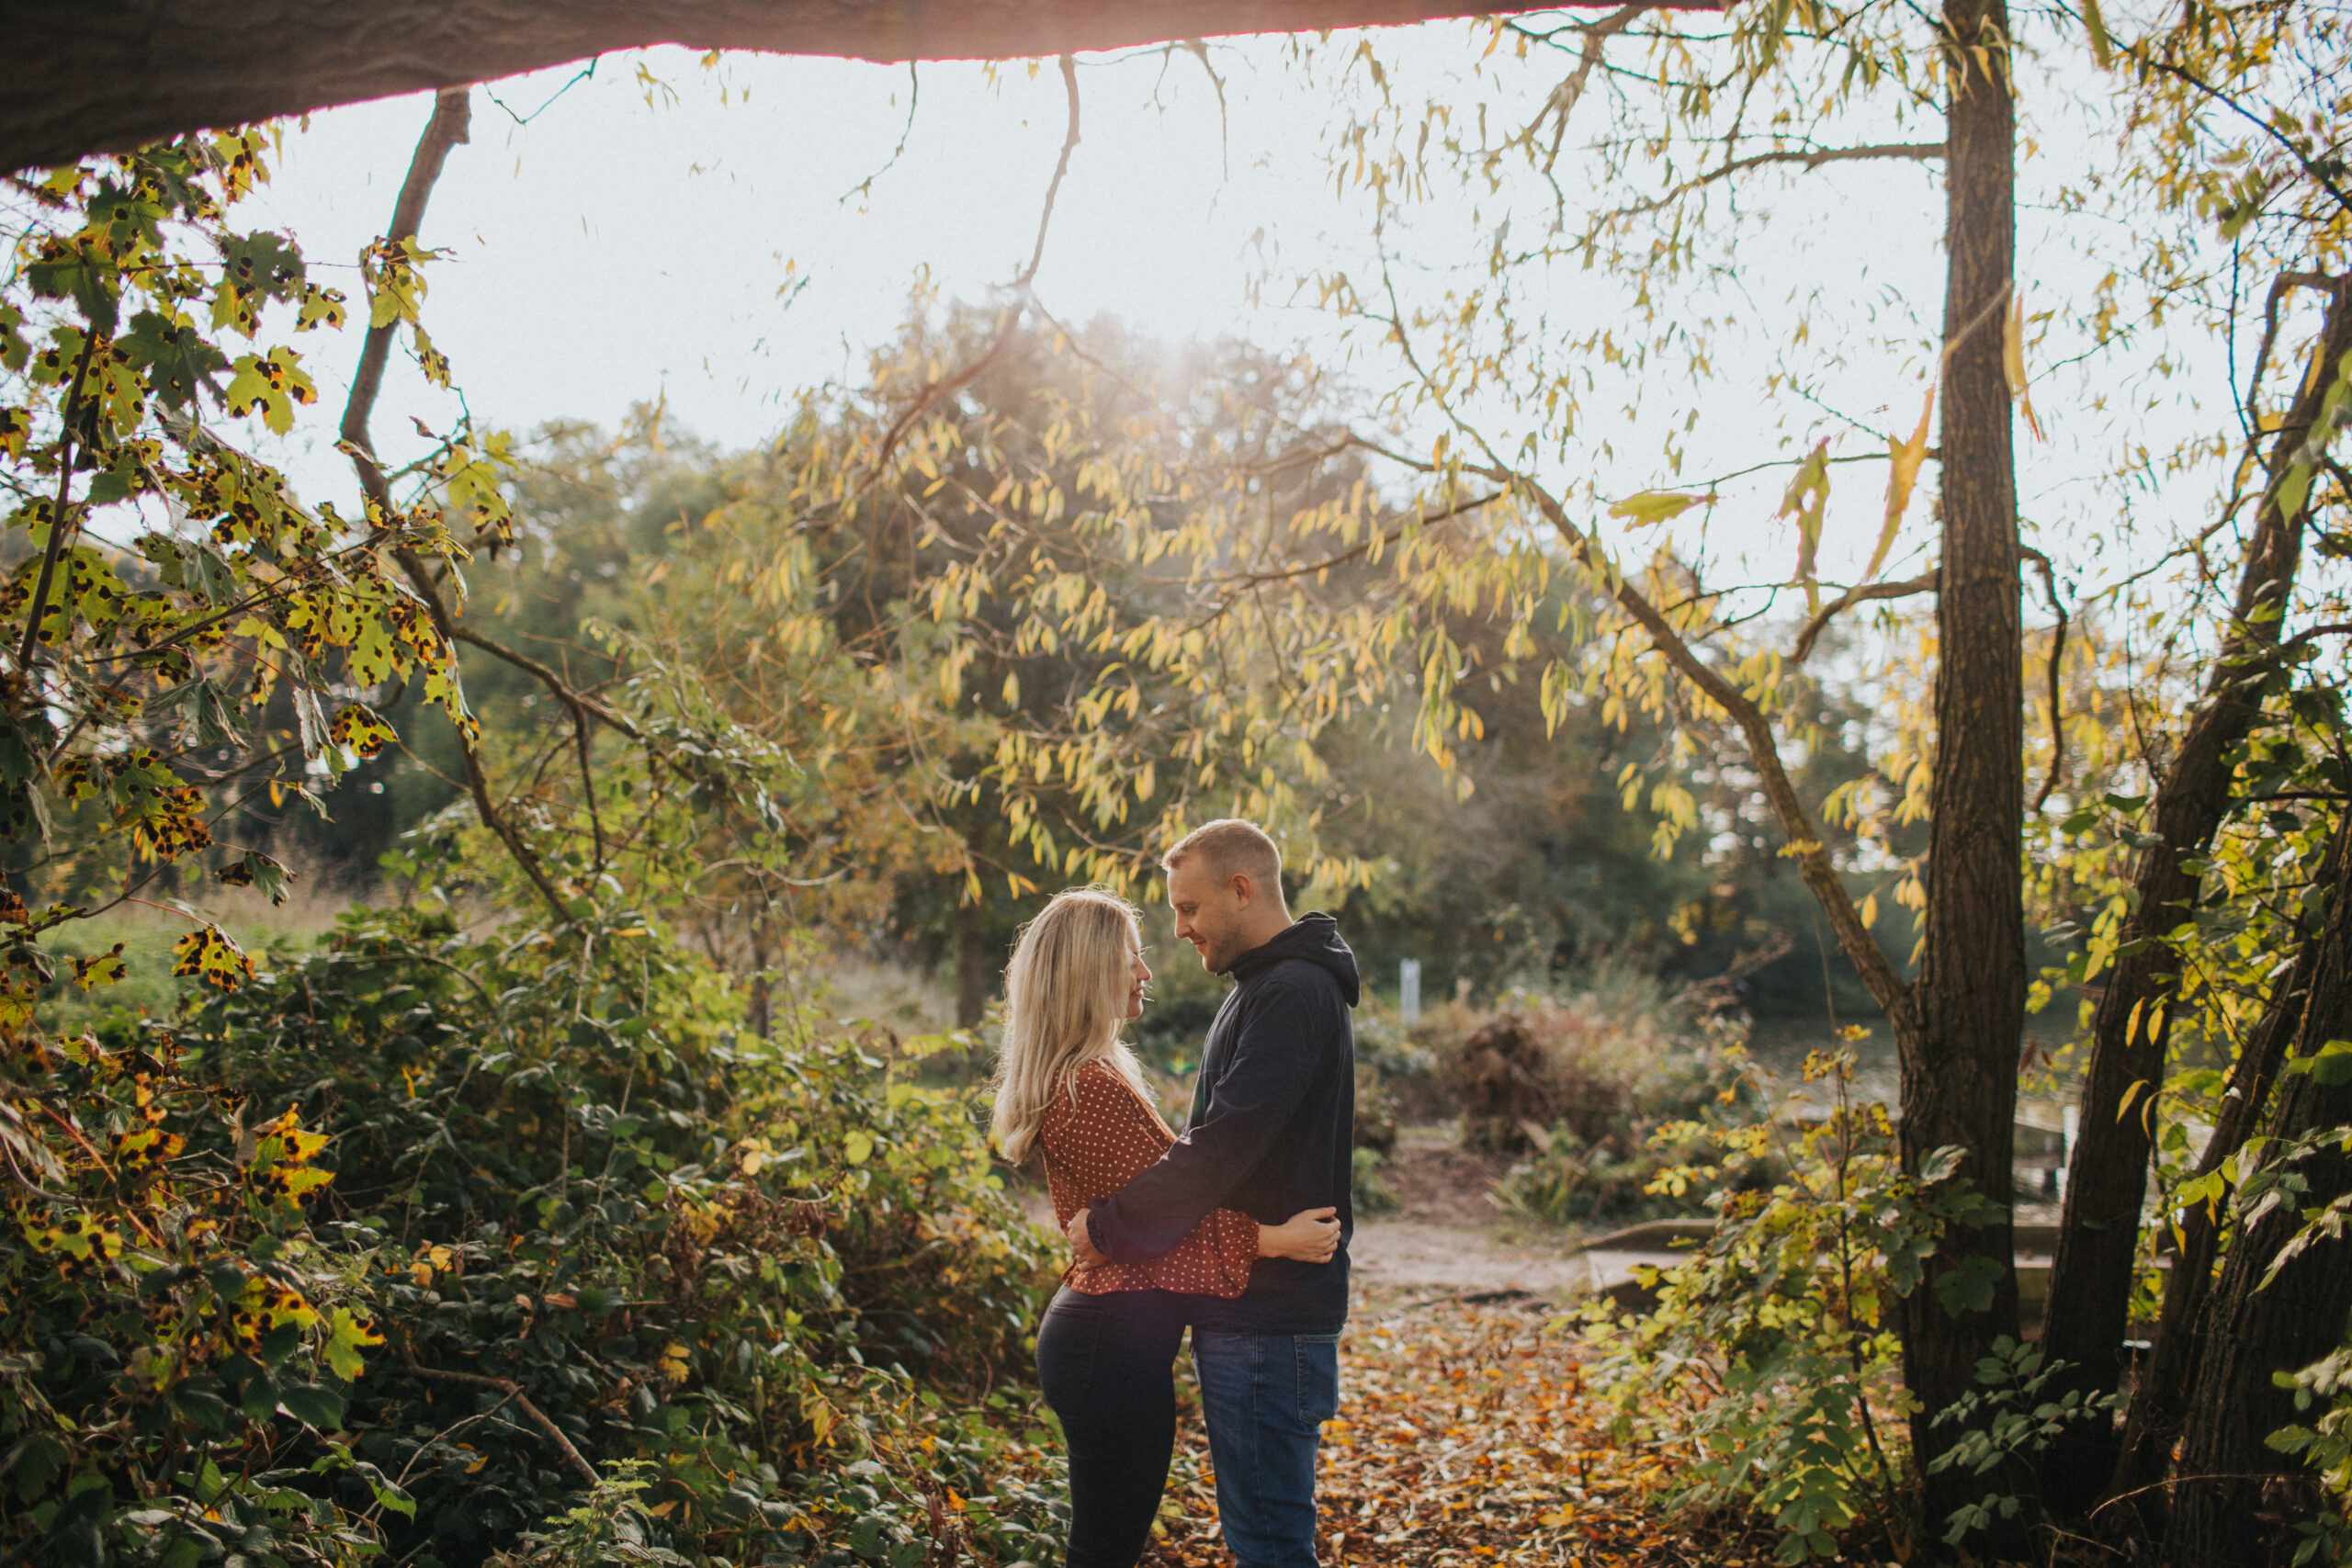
[(1266, 1397)]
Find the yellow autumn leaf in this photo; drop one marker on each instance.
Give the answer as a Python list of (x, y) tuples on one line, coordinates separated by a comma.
[(2013, 362), (1651, 507), (1903, 458)]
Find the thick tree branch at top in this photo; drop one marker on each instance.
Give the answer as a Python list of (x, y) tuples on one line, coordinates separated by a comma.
[(1862, 948), (1859, 594), (106, 75)]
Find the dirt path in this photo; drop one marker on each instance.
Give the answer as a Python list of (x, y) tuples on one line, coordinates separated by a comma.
[(1465, 1437)]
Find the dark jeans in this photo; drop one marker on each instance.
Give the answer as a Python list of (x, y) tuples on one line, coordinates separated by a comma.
[(1266, 1397), (1108, 1366)]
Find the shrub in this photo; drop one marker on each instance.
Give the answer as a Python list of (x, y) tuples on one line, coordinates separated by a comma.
[(1369, 1195), (421, 1239), (1767, 1367)]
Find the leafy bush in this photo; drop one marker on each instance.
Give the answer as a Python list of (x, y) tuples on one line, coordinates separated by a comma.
[(417, 1240), (1368, 1194), (1569, 1184), (2015, 1413), (2325, 1445), (1767, 1368)]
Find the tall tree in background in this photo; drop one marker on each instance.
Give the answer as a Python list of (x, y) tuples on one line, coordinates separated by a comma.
[(1959, 1025)]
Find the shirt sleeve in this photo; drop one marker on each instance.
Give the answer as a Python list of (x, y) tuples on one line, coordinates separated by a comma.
[(1263, 1085)]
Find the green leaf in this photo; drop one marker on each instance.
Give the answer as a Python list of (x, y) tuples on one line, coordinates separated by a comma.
[(858, 1148), (314, 1405), (171, 356), (349, 1336), (2330, 1064), (1969, 1287), (259, 871), (99, 969)]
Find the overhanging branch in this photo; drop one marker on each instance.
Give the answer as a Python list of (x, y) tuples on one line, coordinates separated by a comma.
[(201, 64)]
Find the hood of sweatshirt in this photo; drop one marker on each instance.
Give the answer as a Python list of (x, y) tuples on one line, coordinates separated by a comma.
[(1312, 937)]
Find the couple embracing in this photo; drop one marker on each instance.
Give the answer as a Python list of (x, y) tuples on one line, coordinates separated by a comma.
[(1238, 1229)]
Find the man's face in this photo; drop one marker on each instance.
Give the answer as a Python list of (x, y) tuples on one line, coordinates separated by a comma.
[(1209, 911)]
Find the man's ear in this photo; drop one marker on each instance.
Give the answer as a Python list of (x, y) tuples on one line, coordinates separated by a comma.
[(1242, 891)]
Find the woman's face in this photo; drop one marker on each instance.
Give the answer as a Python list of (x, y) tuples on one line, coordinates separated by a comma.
[(1139, 974)]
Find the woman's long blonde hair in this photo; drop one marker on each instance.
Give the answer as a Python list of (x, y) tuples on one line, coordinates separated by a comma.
[(1065, 997)]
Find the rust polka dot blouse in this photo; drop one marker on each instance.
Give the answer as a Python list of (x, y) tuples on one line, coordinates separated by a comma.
[(1100, 1134)]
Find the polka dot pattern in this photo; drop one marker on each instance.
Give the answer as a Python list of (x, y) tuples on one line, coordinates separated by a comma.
[(1099, 1135)]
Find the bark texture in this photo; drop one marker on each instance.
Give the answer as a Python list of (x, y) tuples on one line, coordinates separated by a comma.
[(2232, 1496), (2090, 1283), (1959, 1047), (2160, 1396), (100, 76)]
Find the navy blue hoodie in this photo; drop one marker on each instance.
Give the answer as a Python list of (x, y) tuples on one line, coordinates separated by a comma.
[(1272, 1130)]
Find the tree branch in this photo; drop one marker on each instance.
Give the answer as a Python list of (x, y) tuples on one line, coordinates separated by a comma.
[(2057, 653), (1862, 948), (450, 124), (514, 1391), (57, 528), (448, 127), (205, 63), (1809, 160), (1859, 594), (947, 385)]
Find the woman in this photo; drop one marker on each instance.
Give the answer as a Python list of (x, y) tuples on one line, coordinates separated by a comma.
[(1068, 1088)]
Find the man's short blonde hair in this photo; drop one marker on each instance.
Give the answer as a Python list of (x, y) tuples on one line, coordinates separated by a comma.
[(1231, 847)]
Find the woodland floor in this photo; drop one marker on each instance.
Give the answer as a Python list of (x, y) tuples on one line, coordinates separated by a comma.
[(1463, 1436)]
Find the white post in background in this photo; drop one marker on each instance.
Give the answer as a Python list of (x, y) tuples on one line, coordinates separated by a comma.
[(2072, 1121), (1408, 989)]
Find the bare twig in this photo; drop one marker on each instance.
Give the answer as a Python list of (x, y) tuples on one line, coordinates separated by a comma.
[(1809, 160), (1563, 101), (451, 122), (2057, 654), (947, 385), (448, 127), (1924, 583), (513, 1390)]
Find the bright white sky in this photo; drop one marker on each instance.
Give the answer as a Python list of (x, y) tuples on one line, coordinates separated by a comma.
[(613, 251), (609, 251)]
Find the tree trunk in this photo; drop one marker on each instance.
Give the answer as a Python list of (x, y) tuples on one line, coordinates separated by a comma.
[(106, 75), (2098, 1237), (2161, 1391), (763, 1009), (2231, 1493), (1959, 1050), (971, 965)]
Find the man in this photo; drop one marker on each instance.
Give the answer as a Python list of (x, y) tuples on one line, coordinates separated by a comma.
[(1270, 1132)]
